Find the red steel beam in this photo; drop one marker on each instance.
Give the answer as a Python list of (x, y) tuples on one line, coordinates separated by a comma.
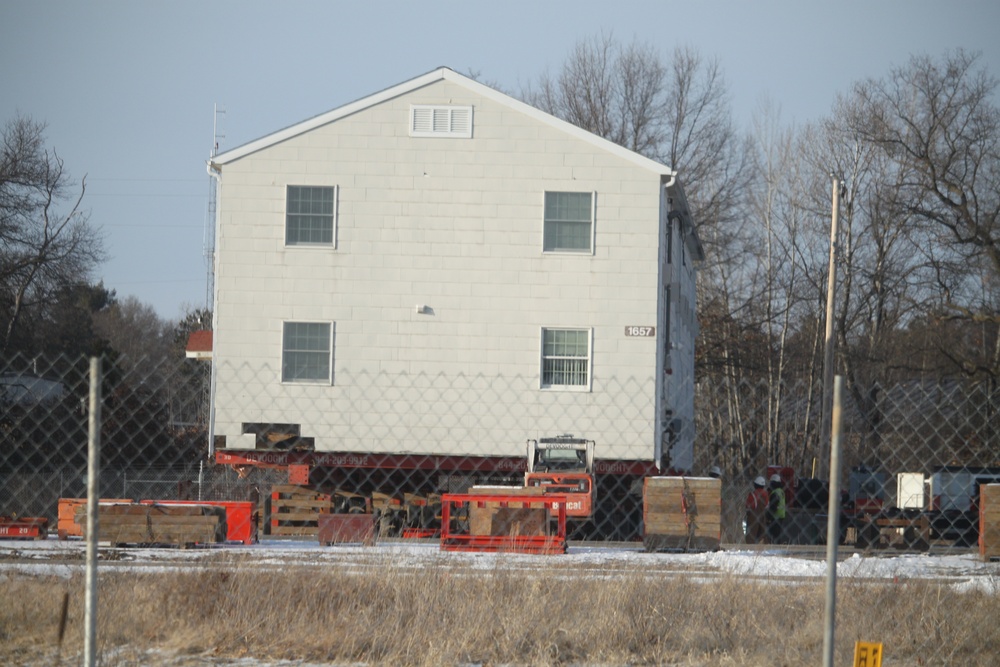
[(516, 464)]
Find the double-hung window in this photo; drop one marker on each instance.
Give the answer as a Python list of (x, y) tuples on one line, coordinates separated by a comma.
[(307, 352), (569, 222), (566, 358), (310, 215)]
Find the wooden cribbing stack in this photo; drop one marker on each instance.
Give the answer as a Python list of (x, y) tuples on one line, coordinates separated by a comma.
[(163, 525), (70, 514), (682, 513), (494, 518), (508, 521)]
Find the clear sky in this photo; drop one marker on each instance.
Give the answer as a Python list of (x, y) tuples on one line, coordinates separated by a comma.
[(128, 88)]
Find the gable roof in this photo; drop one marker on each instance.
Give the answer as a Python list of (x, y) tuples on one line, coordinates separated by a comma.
[(440, 74)]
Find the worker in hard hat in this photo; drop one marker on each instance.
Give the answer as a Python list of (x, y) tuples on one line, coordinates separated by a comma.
[(757, 512), (776, 510), (715, 472)]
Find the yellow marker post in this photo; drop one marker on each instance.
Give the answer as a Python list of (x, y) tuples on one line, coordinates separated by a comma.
[(867, 654)]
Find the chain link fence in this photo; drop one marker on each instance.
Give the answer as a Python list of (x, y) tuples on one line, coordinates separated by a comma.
[(914, 454)]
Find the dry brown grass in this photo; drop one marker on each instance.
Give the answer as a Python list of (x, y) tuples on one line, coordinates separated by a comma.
[(391, 613)]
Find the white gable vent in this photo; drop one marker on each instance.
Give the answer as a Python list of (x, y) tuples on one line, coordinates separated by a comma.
[(440, 121)]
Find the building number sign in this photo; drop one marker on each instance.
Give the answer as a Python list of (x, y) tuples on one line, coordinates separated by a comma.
[(642, 332)]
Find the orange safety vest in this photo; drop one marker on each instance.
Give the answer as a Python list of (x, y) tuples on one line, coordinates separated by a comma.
[(757, 499)]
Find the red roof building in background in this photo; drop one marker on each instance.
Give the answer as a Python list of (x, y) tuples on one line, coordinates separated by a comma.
[(199, 345)]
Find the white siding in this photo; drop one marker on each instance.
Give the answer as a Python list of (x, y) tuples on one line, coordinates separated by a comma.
[(455, 225)]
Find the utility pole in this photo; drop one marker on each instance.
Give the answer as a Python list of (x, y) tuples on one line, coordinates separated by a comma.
[(831, 284)]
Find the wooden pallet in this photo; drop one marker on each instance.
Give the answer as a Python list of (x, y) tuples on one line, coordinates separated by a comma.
[(295, 510)]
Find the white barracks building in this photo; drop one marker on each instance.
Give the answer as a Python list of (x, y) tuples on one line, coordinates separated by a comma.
[(441, 269)]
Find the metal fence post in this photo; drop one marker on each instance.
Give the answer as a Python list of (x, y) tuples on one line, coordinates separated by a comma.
[(833, 526), (93, 493)]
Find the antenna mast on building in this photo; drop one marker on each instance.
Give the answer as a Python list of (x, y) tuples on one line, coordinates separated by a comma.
[(209, 233)]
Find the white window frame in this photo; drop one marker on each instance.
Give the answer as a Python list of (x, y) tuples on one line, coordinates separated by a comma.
[(335, 215), (328, 379), (439, 120), (549, 386), (593, 225)]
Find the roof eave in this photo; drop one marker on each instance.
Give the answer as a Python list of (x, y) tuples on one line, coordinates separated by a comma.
[(675, 190), (324, 118), (441, 73)]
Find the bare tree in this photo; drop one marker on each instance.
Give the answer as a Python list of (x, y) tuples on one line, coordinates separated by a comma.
[(876, 270), (676, 112), (615, 91), (41, 248), (776, 214), (136, 333), (938, 122)]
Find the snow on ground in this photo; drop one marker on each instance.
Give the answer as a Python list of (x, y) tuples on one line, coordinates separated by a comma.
[(963, 570)]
